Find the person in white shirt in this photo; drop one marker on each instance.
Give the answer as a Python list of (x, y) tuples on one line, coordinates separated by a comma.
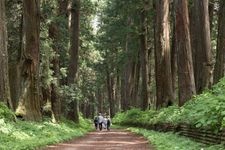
[(104, 125), (100, 121)]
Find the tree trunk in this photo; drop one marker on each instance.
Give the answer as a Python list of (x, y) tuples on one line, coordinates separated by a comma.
[(55, 99), (111, 93), (137, 81), (202, 46), (4, 74), (173, 53), (29, 102), (144, 60), (123, 92), (100, 100), (186, 82), (117, 94), (14, 69), (220, 54), (162, 54), (126, 77), (73, 62)]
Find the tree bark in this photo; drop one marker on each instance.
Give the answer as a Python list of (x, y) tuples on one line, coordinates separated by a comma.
[(173, 52), (29, 102), (4, 74), (186, 82), (126, 78), (220, 54), (73, 62), (100, 100), (144, 59), (162, 54), (15, 43), (111, 93), (117, 93), (202, 46)]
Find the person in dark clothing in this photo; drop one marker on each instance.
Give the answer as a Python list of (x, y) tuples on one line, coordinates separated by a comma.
[(96, 122), (108, 123)]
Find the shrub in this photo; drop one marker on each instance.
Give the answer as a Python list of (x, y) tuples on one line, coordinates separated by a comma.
[(6, 113), (206, 110)]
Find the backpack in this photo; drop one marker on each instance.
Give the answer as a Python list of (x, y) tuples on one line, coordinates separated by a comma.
[(108, 122), (96, 120)]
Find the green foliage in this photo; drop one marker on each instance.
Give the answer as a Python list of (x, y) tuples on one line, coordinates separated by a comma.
[(32, 135), (171, 141), (69, 94), (5, 113), (203, 111)]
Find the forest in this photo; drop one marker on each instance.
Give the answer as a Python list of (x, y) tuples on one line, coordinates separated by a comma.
[(156, 67)]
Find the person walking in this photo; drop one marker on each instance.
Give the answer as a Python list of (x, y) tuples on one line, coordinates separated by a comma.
[(100, 121), (108, 123), (96, 122)]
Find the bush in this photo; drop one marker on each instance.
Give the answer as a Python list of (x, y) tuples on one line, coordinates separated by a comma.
[(6, 113), (206, 110)]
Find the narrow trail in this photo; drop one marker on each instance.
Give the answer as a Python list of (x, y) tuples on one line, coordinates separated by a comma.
[(105, 140)]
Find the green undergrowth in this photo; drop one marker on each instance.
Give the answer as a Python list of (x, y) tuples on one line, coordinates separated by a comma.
[(18, 135), (206, 110), (6, 113), (171, 141)]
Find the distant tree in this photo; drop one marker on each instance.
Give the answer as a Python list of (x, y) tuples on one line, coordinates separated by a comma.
[(144, 56), (14, 32), (4, 76)]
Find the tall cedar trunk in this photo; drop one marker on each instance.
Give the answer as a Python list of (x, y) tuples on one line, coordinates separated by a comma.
[(117, 94), (220, 55), (73, 113), (4, 75), (128, 79), (100, 100), (186, 82), (14, 68), (29, 101), (55, 100), (137, 82), (122, 94), (173, 53), (54, 34), (162, 54), (112, 108), (144, 60), (125, 79), (111, 93), (92, 106), (201, 45), (109, 89)]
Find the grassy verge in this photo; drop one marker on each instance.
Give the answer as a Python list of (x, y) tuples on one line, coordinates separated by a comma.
[(31, 135), (171, 141)]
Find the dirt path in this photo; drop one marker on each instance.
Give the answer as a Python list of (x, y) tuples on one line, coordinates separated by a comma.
[(105, 140)]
